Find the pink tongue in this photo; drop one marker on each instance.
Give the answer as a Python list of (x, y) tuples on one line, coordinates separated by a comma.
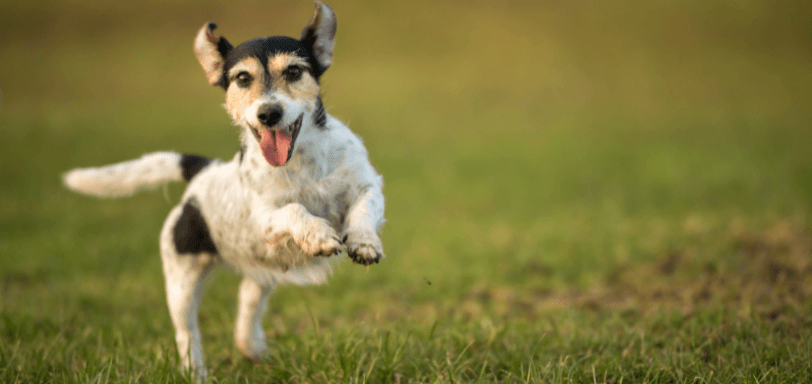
[(275, 146)]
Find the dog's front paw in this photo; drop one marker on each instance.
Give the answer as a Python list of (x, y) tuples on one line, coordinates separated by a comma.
[(364, 246), (319, 239)]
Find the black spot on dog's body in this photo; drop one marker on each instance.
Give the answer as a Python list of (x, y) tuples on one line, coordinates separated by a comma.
[(242, 152), (320, 115), (192, 164), (191, 233)]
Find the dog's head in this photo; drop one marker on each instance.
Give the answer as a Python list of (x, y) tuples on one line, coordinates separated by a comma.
[(272, 83)]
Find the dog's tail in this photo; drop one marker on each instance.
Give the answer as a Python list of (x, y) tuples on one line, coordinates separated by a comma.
[(123, 179)]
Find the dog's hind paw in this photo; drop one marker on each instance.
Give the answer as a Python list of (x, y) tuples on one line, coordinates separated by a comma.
[(364, 246), (254, 350)]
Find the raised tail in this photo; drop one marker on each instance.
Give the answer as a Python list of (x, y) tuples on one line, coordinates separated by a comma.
[(123, 179)]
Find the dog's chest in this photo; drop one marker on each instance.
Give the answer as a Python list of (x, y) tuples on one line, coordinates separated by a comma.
[(234, 211), (318, 198), (301, 181)]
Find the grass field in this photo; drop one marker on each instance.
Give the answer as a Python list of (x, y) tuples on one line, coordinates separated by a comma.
[(576, 193)]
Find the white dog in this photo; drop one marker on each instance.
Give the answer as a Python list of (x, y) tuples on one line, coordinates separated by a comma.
[(300, 187)]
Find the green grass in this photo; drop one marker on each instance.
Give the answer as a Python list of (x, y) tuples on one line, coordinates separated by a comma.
[(581, 192)]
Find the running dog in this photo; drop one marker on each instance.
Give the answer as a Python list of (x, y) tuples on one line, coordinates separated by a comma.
[(300, 189)]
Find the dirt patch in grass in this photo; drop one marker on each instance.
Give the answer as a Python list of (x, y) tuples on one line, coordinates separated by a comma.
[(765, 273)]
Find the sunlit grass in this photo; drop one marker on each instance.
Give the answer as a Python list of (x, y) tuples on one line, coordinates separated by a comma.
[(575, 193)]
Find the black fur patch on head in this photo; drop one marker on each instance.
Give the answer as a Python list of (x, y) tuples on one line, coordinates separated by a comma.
[(320, 115), (190, 165), (224, 47), (191, 233), (262, 48)]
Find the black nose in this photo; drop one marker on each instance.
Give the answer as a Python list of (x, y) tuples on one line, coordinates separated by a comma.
[(269, 114)]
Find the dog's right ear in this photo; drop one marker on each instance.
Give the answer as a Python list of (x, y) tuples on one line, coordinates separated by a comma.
[(211, 52)]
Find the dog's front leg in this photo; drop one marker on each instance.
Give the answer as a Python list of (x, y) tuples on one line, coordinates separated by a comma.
[(312, 234), (364, 217)]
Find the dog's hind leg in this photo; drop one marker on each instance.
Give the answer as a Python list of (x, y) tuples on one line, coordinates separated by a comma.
[(249, 335), (185, 275)]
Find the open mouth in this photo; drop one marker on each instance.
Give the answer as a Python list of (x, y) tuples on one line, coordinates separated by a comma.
[(277, 146)]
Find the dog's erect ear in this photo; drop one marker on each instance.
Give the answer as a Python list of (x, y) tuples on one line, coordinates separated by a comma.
[(211, 52), (319, 36)]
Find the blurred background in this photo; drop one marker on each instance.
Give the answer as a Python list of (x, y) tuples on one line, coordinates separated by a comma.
[(536, 154)]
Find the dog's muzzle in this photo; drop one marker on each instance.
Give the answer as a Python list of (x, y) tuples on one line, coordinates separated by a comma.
[(276, 145)]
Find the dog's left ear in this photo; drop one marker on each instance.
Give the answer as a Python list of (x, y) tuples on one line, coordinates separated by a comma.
[(319, 35), (211, 52)]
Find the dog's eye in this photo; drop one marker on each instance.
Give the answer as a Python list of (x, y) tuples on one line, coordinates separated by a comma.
[(244, 79), (293, 73)]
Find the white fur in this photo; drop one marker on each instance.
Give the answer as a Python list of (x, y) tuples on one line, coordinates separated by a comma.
[(126, 178), (293, 109)]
